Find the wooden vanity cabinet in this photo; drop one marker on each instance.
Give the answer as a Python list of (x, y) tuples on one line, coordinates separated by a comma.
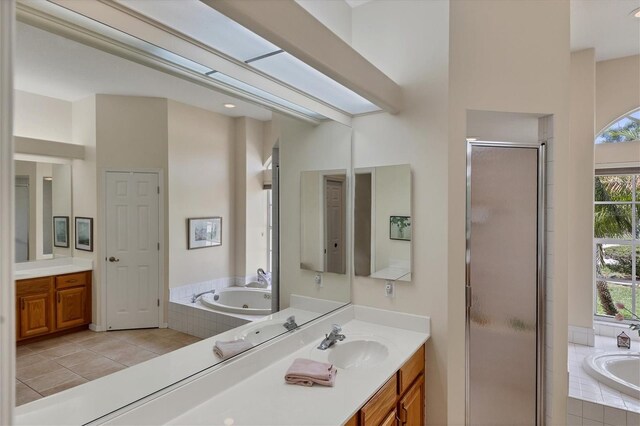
[(48, 305), (34, 307), (400, 401)]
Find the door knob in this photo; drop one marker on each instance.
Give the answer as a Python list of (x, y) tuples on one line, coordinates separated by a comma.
[(113, 259)]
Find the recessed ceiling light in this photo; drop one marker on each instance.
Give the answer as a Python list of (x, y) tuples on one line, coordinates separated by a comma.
[(635, 12), (229, 106)]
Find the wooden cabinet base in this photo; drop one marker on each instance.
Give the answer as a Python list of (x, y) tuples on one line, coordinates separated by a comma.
[(52, 334), (400, 401), (52, 306)]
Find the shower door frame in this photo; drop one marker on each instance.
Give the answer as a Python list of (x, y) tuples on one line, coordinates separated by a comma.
[(540, 270)]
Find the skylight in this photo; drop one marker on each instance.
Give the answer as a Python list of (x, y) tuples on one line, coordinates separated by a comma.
[(210, 27), (626, 129)]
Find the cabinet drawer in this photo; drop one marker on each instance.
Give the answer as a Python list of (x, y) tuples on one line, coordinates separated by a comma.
[(71, 280), (33, 286), (410, 370), (379, 406)]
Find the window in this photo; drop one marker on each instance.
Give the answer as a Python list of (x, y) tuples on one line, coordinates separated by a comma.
[(626, 129), (617, 242)]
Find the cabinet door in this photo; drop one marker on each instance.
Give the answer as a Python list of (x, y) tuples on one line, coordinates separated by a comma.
[(411, 406), (391, 419), (71, 307), (384, 401), (35, 315)]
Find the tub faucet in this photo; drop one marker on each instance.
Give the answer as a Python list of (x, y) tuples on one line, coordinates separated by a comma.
[(196, 296), (331, 338), (290, 324)]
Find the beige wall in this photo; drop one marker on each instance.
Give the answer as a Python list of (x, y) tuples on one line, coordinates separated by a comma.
[(583, 102), (617, 89), (250, 198), (519, 63), (201, 184), (335, 15), (41, 117), (84, 191), (305, 147), (311, 221), (416, 136), (625, 154)]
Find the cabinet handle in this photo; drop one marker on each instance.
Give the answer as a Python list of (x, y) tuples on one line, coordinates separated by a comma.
[(403, 414)]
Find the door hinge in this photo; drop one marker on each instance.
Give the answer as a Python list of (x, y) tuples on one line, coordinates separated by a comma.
[(158, 302), (468, 296), (158, 190), (158, 246)]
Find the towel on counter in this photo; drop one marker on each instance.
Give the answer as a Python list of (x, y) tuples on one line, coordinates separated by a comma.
[(233, 347), (306, 372)]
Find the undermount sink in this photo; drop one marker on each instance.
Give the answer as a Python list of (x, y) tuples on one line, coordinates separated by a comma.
[(263, 332), (357, 354)]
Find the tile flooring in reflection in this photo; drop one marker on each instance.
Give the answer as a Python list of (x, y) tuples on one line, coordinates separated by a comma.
[(53, 365)]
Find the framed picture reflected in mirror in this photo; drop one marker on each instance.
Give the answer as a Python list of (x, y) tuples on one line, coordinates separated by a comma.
[(61, 231)]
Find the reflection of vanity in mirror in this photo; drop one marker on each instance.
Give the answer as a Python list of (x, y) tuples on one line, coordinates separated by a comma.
[(382, 222), (323, 217)]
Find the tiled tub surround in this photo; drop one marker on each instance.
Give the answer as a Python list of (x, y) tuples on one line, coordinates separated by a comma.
[(97, 398), (594, 403), (220, 396), (60, 363), (187, 290), (202, 321)]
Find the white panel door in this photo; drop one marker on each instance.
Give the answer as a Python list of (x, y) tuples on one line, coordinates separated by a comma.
[(133, 254)]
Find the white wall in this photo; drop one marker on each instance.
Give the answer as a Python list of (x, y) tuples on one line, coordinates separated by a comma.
[(617, 89), (305, 147), (519, 63), (41, 117), (502, 126), (250, 198), (28, 168), (201, 184), (408, 41), (335, 15), (583, 104)]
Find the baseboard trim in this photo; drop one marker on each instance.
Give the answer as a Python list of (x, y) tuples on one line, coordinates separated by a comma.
[(95, 327)]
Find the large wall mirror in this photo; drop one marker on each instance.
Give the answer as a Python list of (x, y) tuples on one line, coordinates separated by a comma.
[(382, 222), (209, 201), (42, 210)]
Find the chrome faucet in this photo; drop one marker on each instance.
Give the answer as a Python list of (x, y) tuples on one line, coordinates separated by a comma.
[(331, 338), (196, 296), (290, 324)]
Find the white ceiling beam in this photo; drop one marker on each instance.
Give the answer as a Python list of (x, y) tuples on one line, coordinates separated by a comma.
[(289, 26)]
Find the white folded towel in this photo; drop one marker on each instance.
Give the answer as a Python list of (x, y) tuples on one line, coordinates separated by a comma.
[(233, 347)]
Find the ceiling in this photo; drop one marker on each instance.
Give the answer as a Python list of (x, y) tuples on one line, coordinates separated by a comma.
[(50, 65), (356, 3), (607, 26)]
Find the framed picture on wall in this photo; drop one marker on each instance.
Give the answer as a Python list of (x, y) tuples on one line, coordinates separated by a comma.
[(84, 233), (400, 228), (204, 232), (61, 231)]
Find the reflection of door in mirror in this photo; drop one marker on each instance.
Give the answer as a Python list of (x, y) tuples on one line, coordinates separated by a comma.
[(334, 189)]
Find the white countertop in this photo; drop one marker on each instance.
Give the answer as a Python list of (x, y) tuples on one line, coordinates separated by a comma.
[(251, 389), (49, 267)]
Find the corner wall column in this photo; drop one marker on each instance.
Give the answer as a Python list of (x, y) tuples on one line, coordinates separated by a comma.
[(7, 293)]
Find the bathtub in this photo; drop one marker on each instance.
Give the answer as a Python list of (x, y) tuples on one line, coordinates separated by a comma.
[(240, 300), (618, 370)]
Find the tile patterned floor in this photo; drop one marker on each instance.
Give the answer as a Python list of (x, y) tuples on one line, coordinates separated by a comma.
[(51, 366)]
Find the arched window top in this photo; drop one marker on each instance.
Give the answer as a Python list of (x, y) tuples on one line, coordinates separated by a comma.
[(626, 129)]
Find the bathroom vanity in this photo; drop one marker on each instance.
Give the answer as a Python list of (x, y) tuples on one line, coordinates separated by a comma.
[(52, 300)]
